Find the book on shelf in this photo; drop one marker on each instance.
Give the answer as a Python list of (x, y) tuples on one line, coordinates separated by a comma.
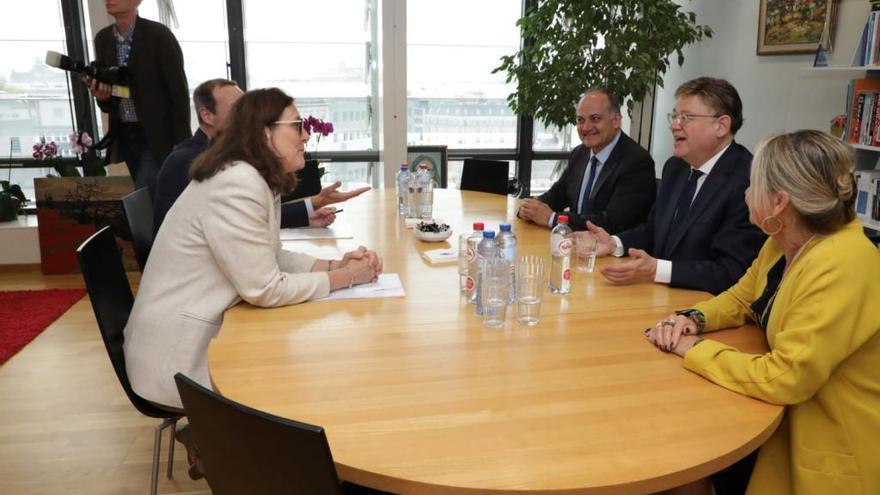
[(867, 52), (862, 101), (868, 194)]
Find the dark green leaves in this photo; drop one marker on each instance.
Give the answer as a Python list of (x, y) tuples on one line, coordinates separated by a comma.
[(563, 54)]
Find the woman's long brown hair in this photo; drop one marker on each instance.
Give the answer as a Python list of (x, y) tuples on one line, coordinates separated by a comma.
[(241, 138)]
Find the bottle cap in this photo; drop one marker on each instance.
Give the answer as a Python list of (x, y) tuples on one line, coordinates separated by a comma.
[(504, 227), (488, 234), (404, 166), (562, 219), (423, 166), (479, 226)]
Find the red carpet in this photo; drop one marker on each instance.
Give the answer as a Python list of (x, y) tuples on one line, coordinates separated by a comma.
[(26, 313)]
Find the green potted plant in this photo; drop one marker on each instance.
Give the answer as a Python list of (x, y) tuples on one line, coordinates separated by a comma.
[(11, 199), (572, 45)]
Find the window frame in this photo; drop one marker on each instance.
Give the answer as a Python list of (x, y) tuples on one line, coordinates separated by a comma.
[(523, 154)]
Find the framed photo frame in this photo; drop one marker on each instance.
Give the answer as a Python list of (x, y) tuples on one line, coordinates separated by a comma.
[(434, 157), (786, 26)]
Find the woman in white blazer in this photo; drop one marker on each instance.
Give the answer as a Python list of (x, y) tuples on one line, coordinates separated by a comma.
[(219, 245)]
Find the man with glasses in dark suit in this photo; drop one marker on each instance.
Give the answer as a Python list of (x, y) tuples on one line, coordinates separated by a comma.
[(698, 234)]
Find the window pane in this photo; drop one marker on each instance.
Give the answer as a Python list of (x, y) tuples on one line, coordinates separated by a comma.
[(453, 98), (550, 138), (34, 98), (319, 53), (352, 174), (203, 36), (545, 173)]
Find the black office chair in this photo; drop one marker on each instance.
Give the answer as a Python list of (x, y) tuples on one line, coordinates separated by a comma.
[(244, 450), (139, 213), (485, 176), (104, 275)]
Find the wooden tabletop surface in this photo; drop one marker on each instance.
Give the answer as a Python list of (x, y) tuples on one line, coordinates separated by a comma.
[(417, 397)]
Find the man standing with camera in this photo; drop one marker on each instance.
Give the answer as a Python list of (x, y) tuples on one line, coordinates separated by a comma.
[(152, 115)]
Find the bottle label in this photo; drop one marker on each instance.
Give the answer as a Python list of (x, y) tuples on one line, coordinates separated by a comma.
[(560, 245), (469, 283), (471, 253), (566, 275)]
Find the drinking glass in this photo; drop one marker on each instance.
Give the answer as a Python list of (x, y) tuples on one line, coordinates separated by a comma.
[(586, 249), (529, 289), (494, 291)]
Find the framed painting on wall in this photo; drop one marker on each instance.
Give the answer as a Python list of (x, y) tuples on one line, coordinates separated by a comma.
[(794, 26), (432, 156)]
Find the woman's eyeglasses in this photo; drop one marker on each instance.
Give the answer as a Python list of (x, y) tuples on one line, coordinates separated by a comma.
[(297, 124)]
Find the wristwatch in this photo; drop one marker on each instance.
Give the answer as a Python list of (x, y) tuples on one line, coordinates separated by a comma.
[(695, 316)]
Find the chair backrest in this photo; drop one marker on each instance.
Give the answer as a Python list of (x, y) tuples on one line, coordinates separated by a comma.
[(139, 212), (101, 264), (248, 451), (485, 176)]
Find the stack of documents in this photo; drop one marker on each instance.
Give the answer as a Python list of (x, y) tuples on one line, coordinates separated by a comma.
[(388, 285), (335, 231)]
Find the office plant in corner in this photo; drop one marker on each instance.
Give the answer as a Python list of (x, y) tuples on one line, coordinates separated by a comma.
[(571, 45)]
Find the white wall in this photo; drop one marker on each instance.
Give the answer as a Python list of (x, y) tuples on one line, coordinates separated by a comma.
[(777, 94)]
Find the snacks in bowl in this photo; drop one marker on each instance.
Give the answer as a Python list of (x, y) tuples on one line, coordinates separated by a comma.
[(432, 226)]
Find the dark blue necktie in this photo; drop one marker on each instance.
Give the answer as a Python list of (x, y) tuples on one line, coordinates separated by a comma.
[(585, 204), (687, 196)]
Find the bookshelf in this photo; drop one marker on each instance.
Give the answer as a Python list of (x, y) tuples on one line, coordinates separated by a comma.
[(867, 156), (862, 110), (865, 147), (845, 69)]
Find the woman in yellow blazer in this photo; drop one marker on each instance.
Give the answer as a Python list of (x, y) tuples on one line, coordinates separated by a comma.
[(814, 289)]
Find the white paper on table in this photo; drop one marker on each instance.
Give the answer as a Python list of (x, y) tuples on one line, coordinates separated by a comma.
[(336, 231), (388, 285), (320, 252), (435, 256)]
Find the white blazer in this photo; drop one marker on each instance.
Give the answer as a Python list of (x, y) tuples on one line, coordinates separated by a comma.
[(219, 244)]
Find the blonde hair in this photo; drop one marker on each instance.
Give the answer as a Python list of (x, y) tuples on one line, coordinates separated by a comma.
[(815, 169)]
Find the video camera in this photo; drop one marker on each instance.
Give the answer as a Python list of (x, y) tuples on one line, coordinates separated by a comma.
[(109, 74)]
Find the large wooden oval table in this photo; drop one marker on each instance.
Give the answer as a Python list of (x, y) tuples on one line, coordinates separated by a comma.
[(417, 397)]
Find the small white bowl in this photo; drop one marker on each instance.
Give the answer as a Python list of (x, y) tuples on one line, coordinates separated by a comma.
[(433, 236)]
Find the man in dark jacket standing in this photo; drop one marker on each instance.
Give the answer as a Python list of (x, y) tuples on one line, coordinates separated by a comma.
[(151, 115)]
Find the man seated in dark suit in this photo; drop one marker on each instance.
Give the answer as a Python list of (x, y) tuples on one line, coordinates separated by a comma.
[(609, 179), (698, 234), (213, 99)]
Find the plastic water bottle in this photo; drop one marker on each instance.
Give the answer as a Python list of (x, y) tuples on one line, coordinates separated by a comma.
[(507, 248), (403, 178), (473, 240), (560, 251), (426, 192), (487, 249), (413, 195), (463, 256)]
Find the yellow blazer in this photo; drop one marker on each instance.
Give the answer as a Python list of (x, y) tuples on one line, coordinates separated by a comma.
[(824, 364)]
